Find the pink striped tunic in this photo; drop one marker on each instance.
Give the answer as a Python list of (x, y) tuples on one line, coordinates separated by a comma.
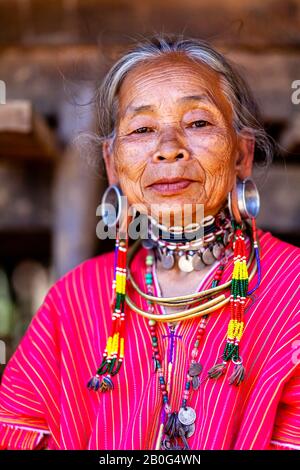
[(44, 400)]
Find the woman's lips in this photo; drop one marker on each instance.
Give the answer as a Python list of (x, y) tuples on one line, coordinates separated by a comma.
[(171, 187)]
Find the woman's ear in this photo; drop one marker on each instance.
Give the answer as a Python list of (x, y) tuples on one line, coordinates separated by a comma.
[(109, 161), (244, 161)]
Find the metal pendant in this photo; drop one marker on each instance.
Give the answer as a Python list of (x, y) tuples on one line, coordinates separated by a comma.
[(195, 382), (166, 444), (168, 260), (171, 424), (182, 434), (187, 415), (178, 426), (197, 262), (208, 257), (158, 253), (189, 430), (225, 238), (185, 263), (217, 250), (195, 369)]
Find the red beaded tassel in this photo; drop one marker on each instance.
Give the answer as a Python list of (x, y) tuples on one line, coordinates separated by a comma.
[(239, 286), (114, 351)]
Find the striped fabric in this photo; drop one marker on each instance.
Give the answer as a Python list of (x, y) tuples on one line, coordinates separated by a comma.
[(44, 400)]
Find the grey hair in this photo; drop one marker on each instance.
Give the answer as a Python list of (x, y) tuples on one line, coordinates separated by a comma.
[(246, 116)]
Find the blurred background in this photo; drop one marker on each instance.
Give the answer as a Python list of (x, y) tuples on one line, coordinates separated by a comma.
[(53, 55)]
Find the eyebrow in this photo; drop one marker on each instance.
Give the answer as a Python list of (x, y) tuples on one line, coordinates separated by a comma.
[(133, 110)]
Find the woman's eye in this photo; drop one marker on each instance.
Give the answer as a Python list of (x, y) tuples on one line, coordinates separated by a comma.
[(141, 130), (146, 129), (201, 123)]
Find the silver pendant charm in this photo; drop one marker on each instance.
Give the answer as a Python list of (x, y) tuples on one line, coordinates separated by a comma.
[(217, 251), (187, 416), (197, 262), (185, 263), (189, 430), (208, 257), (168, 260), (195, 382), (166, 444), (195, 369), (226, 238)]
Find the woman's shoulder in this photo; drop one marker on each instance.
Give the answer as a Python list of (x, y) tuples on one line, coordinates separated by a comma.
[(280, 267), (274, 248), (92, 275), (98, 266)]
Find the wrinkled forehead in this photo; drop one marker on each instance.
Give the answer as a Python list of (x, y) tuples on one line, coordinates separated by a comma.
[(170, 77)]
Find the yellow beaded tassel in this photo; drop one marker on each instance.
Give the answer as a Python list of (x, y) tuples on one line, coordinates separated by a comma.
[(114, 352), (239, 287)]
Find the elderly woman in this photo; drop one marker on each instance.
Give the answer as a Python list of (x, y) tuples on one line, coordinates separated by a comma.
[(186, 338)]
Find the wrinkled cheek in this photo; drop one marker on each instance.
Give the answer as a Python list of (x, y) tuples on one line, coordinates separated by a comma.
[(218, 176), (129, 170), (129, 165), (216, 155)]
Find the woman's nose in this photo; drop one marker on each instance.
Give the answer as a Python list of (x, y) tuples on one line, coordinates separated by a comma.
[(171, 154), (171, 149)]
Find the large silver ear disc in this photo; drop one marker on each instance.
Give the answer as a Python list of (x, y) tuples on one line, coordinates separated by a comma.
[(247, 198), (111, 205)]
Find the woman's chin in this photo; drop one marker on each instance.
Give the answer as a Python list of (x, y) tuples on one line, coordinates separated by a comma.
[(173, 199), (176, 214), (180, 207)]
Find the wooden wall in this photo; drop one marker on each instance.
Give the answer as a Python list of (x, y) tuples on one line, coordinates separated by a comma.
[(53, 54)]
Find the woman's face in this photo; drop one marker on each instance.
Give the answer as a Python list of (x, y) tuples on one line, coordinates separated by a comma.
[(174, 122)]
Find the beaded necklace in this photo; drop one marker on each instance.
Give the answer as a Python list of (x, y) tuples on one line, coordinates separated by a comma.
[(181, 424)]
